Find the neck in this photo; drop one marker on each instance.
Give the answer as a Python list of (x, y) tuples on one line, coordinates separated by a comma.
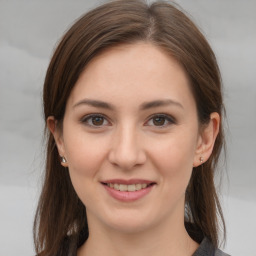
[(163, 240)]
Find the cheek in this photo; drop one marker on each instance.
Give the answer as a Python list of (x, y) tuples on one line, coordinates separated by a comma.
[(176, 151), (84, 153), (173, 158), (85, 157)]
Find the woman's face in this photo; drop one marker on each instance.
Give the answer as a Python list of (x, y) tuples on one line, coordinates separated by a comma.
[(131, 125)]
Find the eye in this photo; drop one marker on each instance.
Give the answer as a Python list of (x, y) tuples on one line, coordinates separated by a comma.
[(95, 120), (160, 120)]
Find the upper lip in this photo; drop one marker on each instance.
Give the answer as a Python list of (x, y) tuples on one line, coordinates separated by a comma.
[(128, 182)]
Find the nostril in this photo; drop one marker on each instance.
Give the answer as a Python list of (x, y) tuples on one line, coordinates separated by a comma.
[(126, 154)]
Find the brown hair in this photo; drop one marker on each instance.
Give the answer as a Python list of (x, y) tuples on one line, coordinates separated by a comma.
[(60, 214)]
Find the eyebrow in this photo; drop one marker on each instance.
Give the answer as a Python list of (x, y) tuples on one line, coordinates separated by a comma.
[(94, 103), (160, 103), (144, 106)]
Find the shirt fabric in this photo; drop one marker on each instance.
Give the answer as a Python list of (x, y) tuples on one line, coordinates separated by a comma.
[(71, 243), (206, 248)]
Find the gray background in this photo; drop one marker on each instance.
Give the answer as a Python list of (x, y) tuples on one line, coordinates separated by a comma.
[(29, 31)]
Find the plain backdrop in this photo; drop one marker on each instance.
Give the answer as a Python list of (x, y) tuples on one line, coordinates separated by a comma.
[(29, 31)]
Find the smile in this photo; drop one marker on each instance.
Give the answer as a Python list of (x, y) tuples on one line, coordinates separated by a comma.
[(125, 187), (128, 190)]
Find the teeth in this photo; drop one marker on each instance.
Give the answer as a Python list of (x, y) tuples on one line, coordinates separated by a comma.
[(124, 187), (131, 187), (138, 186), (116, 186), (144, 185)]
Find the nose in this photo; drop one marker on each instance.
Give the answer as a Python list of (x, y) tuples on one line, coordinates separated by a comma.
[(127, 149)]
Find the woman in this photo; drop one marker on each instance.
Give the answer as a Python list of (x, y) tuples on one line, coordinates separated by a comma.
[(133, 105)]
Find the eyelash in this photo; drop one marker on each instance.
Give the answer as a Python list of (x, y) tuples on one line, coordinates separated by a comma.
[(169, 119), (87, 120)]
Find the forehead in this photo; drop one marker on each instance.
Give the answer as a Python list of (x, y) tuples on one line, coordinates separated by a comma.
[(141, 72)]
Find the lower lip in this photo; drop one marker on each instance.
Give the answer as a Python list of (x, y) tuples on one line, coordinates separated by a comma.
[(127, 196)]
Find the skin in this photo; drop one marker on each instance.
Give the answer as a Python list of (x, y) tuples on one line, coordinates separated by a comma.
[(131, 143)]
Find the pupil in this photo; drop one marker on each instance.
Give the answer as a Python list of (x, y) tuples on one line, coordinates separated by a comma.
[(159, 120), (97, 120)]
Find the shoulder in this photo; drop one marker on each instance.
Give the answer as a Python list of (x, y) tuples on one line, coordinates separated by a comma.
[(218, 252), (206, 248)]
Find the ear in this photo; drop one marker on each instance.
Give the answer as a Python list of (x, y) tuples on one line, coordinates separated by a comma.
[(207, 139), (57, 134)]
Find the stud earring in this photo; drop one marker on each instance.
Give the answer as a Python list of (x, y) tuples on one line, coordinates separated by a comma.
[(201, 159), (63, 160)]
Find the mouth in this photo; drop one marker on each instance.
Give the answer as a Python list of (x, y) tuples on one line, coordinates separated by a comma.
[(128, 190), (128, 187)]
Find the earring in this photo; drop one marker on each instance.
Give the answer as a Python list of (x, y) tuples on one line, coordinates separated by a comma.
[(63, 160), (201, 159)]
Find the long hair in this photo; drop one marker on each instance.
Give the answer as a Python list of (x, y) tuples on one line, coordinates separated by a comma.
[(60, 214)]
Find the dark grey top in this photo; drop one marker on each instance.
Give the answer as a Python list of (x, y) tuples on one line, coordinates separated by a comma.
[(206, 248)]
